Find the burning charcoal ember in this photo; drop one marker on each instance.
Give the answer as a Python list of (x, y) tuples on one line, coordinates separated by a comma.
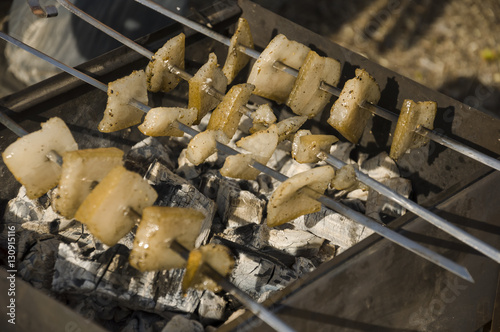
[(378, 204), (147, 151), (295, 242), (332, 226), (177, 192), (238, 207), (303, 266), (181, 324), (110, 275), (258, 276), (212, 308)]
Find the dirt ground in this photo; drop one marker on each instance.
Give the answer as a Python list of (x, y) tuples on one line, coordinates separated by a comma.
[(451, 46)]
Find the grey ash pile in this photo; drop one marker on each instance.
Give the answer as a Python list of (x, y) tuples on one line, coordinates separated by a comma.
[(63, 259)]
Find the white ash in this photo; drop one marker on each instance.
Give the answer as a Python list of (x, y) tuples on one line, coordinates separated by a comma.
[(380, 167), (257, 276), (175, 191), (342, 151), (294, 242), (238, 207), (332, 226), (212, 308)]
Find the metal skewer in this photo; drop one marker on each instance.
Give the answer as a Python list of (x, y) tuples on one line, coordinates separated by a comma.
[(375, 109), (387, 233), (439, 222)]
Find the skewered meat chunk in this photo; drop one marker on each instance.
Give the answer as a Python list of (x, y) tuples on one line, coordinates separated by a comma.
[(172, 53), (226, 117), (272, 83), (27, 159), (158, 227), (203, 145), (217, 256), (161, 121), (411, 117), (105, 210), (236, 60), (119, 114), (81, 171), (261, 146), (306, 146), (262, 118), (288, 127), (306, 98), (208, 75), (345, 178), (297, 195), (347, 115)]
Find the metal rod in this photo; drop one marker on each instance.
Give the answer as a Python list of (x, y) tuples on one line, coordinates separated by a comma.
[(459, 147), (256, 308), (432, 218), (12, 125), (387, 233), (375, 109)]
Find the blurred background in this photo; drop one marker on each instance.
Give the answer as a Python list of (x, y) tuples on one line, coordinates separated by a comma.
[(450, 46)]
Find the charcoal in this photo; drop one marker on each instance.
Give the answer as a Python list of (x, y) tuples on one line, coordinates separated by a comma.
[(181, 324), (259, 277), (212, 308), (144, 322), (303, 266), (238, 207), (378, 204), (332, 226), (209, 184), (146, 152), (38, 264), (175, 191), (380, 167), (110, 275), (295, 242)]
